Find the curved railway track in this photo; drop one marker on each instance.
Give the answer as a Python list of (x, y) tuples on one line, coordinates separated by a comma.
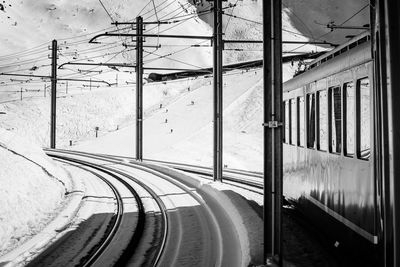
[(113, 232), (167, 245), (238, 177)]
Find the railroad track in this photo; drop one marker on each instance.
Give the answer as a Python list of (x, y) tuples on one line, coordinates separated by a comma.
[(103, 254), (172, 216), (230, 176), (201, 214)]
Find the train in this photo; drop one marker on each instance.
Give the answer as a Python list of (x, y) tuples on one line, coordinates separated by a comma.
[(327, 147)]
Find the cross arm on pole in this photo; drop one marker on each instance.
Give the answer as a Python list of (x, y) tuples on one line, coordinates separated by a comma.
[(199, 37), (25, 75), (283, 42), (98, 64), (80, 80)]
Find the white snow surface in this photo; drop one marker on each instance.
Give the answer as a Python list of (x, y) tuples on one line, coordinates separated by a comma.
[(191, 138), (32, 188)]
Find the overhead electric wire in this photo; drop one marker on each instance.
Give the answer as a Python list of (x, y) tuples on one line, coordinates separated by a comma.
[(106, 62), (140, 12), (301, 21), (245, 19), (24, 51), (105, 9), (25, 62), (180, 9), (174, 52), (230, 16), (172, 59), (355, 14), (325, 34), (158, 6)]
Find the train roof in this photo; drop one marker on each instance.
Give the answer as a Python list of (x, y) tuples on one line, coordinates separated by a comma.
[(353, 42), (355, 51)]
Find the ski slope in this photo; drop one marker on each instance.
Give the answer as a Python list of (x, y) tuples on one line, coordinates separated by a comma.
[(187, 134)]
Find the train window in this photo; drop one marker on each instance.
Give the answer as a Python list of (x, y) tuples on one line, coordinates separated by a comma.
[(335, 119), (293, 122), (300, 101), (363, 147), (310, 120), (287, 122), (322, 143), (348, 116)]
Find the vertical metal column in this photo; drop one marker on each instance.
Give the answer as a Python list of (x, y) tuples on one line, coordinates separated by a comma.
[(53, 94), (218, 94), (272, 49), (386, 150), (139, 88)]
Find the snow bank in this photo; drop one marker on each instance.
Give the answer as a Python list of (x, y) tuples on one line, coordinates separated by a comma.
[(32, 188)]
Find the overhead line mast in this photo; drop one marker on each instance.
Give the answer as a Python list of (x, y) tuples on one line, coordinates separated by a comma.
[(139, 89), (218, 92)]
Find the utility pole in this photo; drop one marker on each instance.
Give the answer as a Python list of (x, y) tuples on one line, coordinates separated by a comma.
[(21, 93), (66, 87), (44, 90), (218, 94), (90, 84), (53, 94), (272, 49), (139, 88)]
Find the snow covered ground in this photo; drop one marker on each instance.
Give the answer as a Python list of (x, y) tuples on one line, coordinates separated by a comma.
[(32, 189), (25, 172), (182, 132)]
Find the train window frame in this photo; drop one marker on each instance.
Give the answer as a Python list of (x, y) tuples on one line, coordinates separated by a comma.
[(284, 112), (293, 122), (310, 121), (318, 121), (301, 121), (349, 119), (289, 141), (358, 119), (286, 132), (339, 148)]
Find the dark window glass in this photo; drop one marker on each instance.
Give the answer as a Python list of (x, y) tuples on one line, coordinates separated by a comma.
[(322, 120), (348, 91), (293, 124), (364, 120), (335, 119), (311, 120), (300, 102), (287, 122)]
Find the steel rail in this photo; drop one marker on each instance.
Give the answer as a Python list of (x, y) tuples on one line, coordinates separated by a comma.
[(96, 254), (158, 200), (200, 170)]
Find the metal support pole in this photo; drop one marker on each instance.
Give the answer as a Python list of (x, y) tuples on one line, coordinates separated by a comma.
[(386, 146), (53, 94), (139, 89), (272, 47), (218, 83)]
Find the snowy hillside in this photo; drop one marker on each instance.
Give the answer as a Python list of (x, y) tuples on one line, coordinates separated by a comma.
[(27, 28), (78, 114), (181, 130), (32, 188)]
